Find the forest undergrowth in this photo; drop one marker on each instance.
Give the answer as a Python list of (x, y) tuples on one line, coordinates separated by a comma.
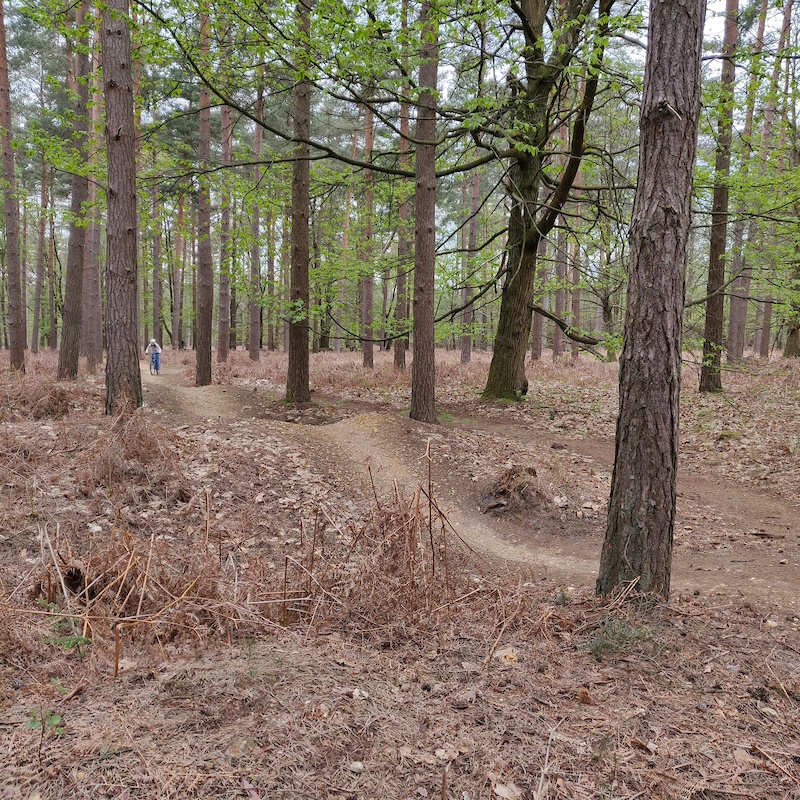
[(187, 610)]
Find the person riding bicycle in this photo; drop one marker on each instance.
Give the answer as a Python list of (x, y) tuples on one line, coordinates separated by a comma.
[(154, 351)]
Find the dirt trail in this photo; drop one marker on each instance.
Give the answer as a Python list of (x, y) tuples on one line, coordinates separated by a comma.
[(729, 540)]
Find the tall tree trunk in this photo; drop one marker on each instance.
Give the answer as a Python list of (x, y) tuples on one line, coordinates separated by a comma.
[(467, 292), (52, 285), (177, 272), (423, 371), (345, 250), (533, 98), (3, 302), (69, 353), (123, 379), (765, 332), (537, 326), (792, 347), (254, 342), (16, 329), (92, 313), (286, 273), (234, 317), (740, 290), (641, 509), (158, 331), (193, 228), (403, 245), (367, 283), (224, 321), (271, 289), (314, 264), (575, 322), (205, 259), (23, 271), (144, 295), (40, 259), (608, 327), (710, 369), (561, 292), (297, 380)]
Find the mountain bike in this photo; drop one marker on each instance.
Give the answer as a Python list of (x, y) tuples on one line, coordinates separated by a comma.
[(155, 367)]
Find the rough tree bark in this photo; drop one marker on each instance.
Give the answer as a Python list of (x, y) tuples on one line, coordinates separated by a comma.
[(52, 285), (92, 315), (123, 378), (367, 282), (711, 366), (37, 298), (224, 320), (403, 244), (297, 379), (469, 259), (561, 278), (423, 368), (158, 328), (285, 280), (575, 296), (16, 329), (641, 510), (69, 353), (254, 342), (537, 327), (740, 267), (765, 331), (205, 259), (177, 272), (269, 316), (532, 103)]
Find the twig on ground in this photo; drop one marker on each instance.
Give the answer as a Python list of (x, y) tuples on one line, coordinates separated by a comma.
[(754, 748), (46, 536)]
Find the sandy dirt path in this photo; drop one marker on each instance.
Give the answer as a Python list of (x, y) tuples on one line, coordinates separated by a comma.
[(730, 540)]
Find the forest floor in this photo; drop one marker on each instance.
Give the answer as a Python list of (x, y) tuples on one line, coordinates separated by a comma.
[(335, 601)]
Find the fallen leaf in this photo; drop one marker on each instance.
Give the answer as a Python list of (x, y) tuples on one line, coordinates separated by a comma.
[(350, 691), (767, 711), (508, 791), (446, 753), (648, 747), (418, 757), (252, 793), (743, 759)]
